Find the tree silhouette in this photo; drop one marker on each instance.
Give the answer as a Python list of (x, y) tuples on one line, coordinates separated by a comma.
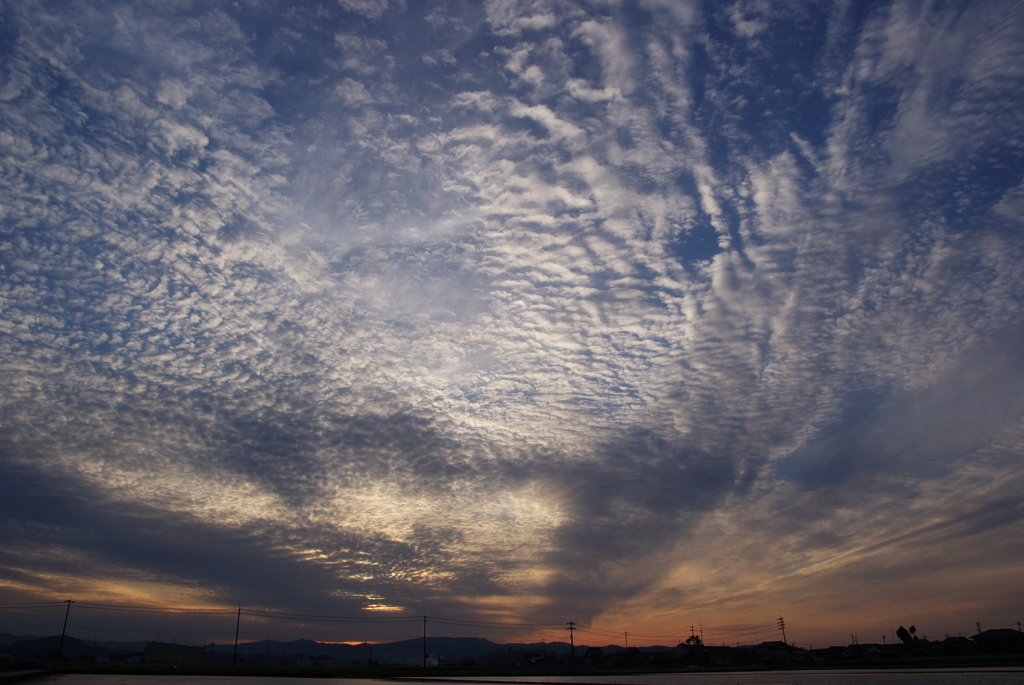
[(907, 635), (695, 656)]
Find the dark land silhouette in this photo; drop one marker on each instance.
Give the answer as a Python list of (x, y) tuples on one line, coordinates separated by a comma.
[(478, 655)]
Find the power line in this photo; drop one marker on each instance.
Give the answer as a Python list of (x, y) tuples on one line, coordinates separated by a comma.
[(143, 609), (572, 643), (598, 631), (733, 631), (740, 629), (489, 624), (60, 648), (238, 623), (721, 632), (267, 613), (144, 631)]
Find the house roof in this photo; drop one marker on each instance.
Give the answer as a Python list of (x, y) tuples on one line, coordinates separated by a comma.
[(999, 633)]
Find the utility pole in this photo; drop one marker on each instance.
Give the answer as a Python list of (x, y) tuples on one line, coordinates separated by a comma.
[(625, 636), (60, 647), (572, 643), (424, 643), (238, 622), (782, 627)]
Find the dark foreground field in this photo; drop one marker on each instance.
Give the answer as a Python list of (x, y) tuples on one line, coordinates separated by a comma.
[(462, 673)]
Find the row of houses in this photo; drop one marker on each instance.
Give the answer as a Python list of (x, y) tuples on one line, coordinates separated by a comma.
[(692, 653), (165, 653), (987, 643)]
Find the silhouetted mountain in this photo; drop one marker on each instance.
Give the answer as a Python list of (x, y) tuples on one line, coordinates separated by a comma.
[(118, 647), (447, 649), (403, 651), (46, 647)]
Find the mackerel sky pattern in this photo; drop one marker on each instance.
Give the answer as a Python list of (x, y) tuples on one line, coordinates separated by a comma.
[(637, 313)]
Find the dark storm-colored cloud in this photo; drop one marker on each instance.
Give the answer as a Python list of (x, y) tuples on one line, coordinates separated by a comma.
[(635, 500), (81, 518), (922, 433)]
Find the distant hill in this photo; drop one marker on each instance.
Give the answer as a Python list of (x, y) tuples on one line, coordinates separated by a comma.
[(118, 647), (450, 649), (31, 647), (400, 652), (46, 647), (403, 651)]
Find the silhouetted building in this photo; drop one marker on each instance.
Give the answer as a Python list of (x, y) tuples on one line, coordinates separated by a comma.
[(999, 641), (718, 655), (957, 646), (593, 656), (541, 658), (164, 653), (627, 658), (774, 651)]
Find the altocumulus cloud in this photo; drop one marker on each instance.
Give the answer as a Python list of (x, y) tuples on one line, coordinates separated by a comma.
[(630, 313)]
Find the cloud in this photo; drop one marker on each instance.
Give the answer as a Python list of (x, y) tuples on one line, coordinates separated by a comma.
[(372, 9), (511, 18), (537, 309)]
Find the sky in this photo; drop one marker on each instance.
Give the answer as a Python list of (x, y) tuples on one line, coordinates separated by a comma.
[(641, 314)]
